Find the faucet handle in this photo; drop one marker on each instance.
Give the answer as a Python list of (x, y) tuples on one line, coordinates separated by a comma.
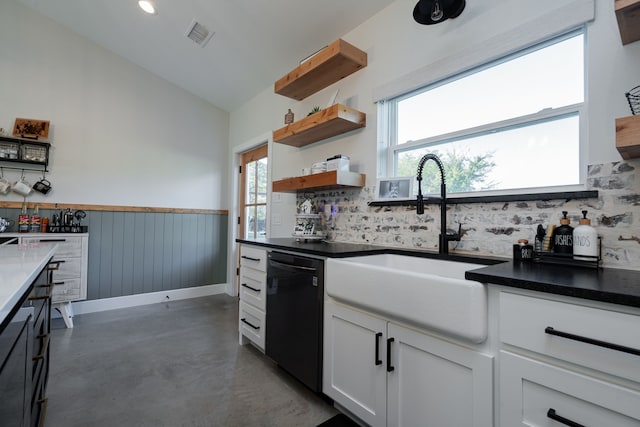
[(455, 237)]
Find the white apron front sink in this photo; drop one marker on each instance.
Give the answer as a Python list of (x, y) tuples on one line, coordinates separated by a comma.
[(428, 293)]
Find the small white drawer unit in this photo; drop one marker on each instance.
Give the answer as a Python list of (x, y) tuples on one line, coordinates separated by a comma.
[(70, 264), (567, 363), (253, 295)]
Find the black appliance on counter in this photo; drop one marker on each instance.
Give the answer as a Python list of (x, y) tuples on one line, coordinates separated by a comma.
[(295, 294)]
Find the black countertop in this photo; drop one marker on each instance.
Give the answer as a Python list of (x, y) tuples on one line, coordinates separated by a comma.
[(344, 250), (610, 285)]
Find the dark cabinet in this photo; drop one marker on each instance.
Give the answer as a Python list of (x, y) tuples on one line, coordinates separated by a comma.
[(24, 356), (15, 369), (40, 300)]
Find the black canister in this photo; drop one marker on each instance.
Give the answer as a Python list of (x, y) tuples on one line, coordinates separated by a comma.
[(522, 251), (563, 236)]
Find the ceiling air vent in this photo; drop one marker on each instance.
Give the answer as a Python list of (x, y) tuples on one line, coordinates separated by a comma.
[(199, 33)]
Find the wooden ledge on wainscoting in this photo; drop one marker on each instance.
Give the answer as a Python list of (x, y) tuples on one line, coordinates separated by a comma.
[(112, 208)]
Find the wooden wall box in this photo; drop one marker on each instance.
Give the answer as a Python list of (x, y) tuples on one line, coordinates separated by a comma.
[(329, 122), (628, 136), (628, 16), (333, 63), (320, 181)]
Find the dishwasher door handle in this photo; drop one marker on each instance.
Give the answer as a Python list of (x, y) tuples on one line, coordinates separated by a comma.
[(291, 266)]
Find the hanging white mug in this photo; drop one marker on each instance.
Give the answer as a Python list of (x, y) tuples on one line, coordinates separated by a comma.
[(21, 187), (5, 186)]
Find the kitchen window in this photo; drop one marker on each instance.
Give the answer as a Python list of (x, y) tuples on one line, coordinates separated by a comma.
[(512, 125)]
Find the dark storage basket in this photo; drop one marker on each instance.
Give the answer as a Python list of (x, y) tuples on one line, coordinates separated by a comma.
[(633, 96)]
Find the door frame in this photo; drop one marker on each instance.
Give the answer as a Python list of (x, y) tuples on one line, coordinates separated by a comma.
[(234, 204)]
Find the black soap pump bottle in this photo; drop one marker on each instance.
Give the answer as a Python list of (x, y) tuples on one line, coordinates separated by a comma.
[(563, 236)]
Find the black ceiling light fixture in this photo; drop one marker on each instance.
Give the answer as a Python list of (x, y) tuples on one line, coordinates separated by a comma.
[(429, 12)]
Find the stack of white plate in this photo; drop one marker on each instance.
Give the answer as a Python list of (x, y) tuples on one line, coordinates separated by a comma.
[(319, 167)]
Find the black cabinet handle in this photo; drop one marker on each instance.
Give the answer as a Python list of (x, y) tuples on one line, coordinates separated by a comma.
[(250, 259), (249, 287), (45, 345), (249, 323), (389, 367), (551, 413), (52, 240), (378, 336), (549, 330)]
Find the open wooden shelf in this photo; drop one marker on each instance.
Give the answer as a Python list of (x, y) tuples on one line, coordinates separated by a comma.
[(628, 136), (333, 63), (320, 181), (628, 16), (326, 123)]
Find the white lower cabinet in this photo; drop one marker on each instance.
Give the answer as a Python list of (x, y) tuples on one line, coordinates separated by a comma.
[(354, 372), (390, 375), (535, 393), (567, 364), (253, 295)]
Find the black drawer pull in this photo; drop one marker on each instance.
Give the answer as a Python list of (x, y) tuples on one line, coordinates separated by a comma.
[(249, 287), (52, 240), (378, 336), (549, 330), (44, 347), (248, 323), (389, 367), (551, 413), (250, 259), (45, 296), (58, 283)]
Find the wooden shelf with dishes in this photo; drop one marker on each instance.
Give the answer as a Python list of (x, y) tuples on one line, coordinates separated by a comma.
[(628, 136), (320, 70), (628, 16), (332, 121), (330, 64), (320, 181)]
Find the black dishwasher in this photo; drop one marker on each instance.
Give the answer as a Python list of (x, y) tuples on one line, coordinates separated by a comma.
[(295, 292)]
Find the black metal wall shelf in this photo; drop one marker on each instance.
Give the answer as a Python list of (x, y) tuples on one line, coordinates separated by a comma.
[(24, 151)]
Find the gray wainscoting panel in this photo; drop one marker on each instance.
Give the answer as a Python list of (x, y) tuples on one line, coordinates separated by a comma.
[(139, 252)]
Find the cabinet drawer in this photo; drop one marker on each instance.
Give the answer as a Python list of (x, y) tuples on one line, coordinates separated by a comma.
[(70, 268), (253, 285), (525, 323), (252, 324), (253, 257), (529, 389), (67, 290), (67, 246)]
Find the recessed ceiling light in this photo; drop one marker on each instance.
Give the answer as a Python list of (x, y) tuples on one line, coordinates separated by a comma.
[(148, 6)]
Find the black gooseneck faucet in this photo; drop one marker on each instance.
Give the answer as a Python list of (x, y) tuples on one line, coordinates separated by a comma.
[(444, 237)]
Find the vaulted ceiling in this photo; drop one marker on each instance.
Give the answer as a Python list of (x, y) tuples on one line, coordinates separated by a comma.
[(255, 42)]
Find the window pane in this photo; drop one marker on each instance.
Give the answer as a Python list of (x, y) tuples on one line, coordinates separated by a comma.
[(261, 224), (546, 78), (250, 197), (249, 221), (262, 180), (538, 155)]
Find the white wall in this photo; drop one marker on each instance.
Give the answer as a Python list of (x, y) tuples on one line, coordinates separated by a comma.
[(120, 135), (397, 46)]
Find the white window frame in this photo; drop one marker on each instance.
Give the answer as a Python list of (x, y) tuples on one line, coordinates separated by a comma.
[(387, 122)]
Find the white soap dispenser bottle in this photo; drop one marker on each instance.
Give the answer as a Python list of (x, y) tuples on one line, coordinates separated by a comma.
[(585, 240)]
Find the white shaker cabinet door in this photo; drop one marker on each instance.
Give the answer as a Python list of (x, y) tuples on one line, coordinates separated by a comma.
[(536, 394), (437, 383), (354, 372)]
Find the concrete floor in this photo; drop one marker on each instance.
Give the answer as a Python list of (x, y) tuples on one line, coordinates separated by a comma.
[(171, 364)]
